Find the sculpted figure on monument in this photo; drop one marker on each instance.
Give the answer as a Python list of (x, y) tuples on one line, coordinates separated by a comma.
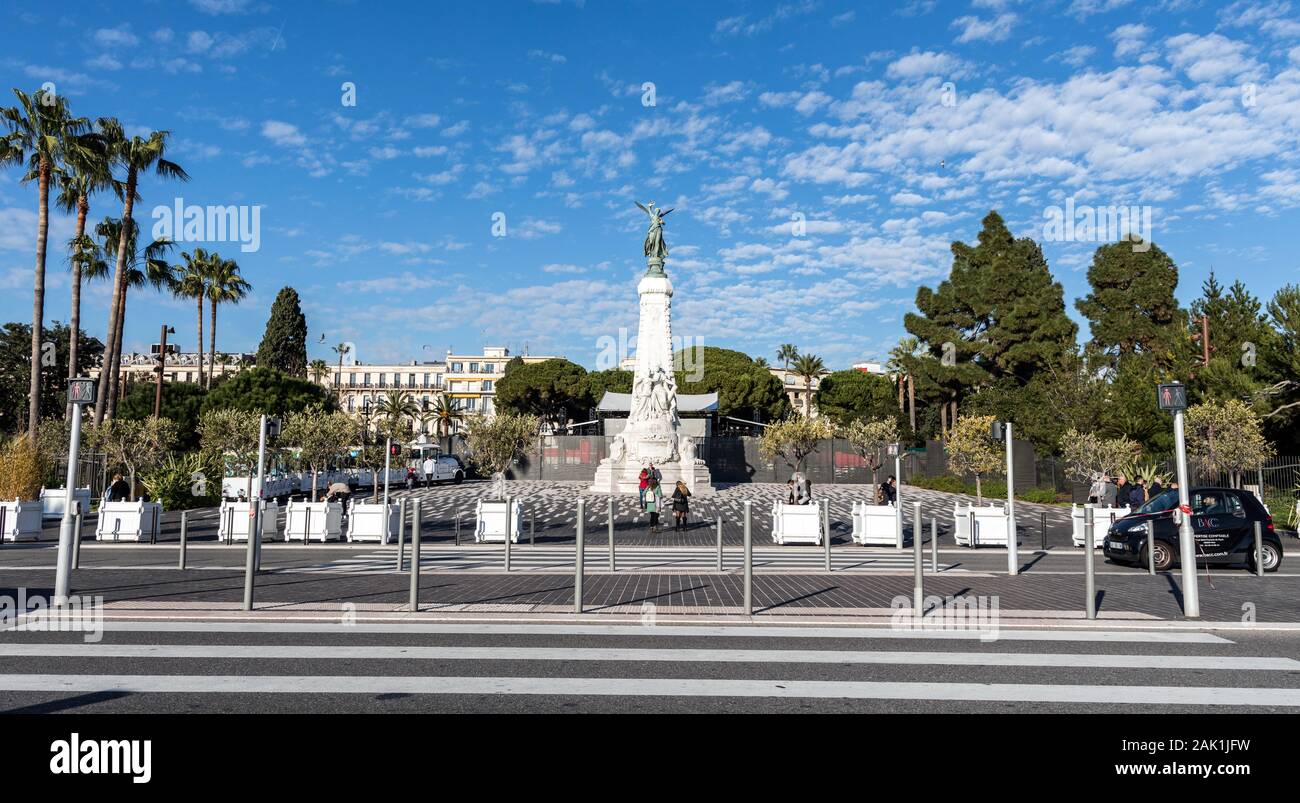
[(655, 247)]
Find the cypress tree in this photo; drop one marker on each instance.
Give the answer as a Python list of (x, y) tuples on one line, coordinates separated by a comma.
[(284, 346), (1132, 309)]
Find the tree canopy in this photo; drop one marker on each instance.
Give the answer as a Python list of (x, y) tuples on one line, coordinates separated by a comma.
[(263, 390), (845, 396), (284, 345)]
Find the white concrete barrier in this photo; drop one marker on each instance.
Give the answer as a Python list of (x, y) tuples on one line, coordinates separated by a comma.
[(313, 521), (127, 521), (54, 499), (877, 525), (491, 522), (22, 520), (366, 522), (236, 520), (991, 525), (796, 524), (1102, 518)]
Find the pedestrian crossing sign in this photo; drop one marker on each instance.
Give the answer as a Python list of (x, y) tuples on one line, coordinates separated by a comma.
[(1172, 397), (81, 391)]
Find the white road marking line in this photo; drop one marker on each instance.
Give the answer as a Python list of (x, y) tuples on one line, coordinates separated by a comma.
[(657, 687), (379, 652), (755, 631)]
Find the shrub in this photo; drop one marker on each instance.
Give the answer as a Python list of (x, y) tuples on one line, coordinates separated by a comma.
[(22, 470), (183, 483)]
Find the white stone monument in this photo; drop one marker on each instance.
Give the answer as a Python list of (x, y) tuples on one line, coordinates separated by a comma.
[(653, 431)]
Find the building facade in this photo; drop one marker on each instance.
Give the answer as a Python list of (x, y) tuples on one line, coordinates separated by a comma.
[(796, 390), (180, 367), (467, 380)]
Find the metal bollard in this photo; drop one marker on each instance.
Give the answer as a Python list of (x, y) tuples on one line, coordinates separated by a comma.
[(611, 535), (749, 560), (249, 557), (415, 556), (532, 527), (1259, 550), (1042, 525), (1090, 583), (510, 523), (934, 545), (1151, 553), (578, 556), (76, 538), (230, 525), (401, 535), (719, 541), (458, 526), (826, 531), (918, 581), (153, 528), (185, 534), (306, 526)]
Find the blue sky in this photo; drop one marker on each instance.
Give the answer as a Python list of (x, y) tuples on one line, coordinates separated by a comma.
[(891, 129)]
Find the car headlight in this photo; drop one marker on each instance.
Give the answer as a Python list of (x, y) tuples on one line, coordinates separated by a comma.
[(1139, 528)]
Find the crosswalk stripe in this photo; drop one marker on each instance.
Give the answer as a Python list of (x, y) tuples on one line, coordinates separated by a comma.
[(656, 687), (382, 652), (666, 631)]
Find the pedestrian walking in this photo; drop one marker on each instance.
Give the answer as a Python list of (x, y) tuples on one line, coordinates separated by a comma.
[(428, 471), (643, 485), (681, 506), (654, 498)]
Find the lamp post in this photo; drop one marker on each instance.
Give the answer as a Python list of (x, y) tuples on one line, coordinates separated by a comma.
[(1173, 397), (81, 391), (162, 367)]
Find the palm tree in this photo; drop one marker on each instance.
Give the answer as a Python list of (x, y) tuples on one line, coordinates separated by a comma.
[(225, 286), (341, 349), (192, 282), (143, 267), (318, 370), (808, 367), (136, 155), (393, 409), (448, 414), (42, 133), (86, 173), (902, 362), (760, 362), (787, 354)]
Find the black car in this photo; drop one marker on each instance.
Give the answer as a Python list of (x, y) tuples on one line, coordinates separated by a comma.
[(1223, 522)]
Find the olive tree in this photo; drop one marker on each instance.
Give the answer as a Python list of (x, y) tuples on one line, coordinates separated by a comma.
[(869, 439), (495, 444), (793, 439), (972, 451), (137, 446), (1226, 438), (1089, 457), (319, 438), (230, 434)]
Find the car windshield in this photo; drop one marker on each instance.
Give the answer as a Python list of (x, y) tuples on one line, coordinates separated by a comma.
[(1167, 500)]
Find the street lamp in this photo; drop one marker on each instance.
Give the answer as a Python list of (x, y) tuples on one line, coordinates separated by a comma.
[(162, 367)]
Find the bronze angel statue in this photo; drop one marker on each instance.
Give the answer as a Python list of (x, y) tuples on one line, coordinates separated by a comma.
[(655, 247)]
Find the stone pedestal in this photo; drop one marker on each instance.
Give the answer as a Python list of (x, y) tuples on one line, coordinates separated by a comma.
[(652, 434)]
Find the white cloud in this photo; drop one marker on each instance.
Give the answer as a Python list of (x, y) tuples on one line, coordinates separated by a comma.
[(282, 133), (977, 29)]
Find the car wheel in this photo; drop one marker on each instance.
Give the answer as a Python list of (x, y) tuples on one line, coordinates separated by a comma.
[(1164, 556), (1272, 558), (460, 477)]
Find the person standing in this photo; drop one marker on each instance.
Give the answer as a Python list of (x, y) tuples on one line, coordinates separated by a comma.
[(1138, 495), (1109, 493), (891, 490), (643, 485), (655, 474), (428, 467), (1156, 488), (681, 507), (1123, 490), (654, 497), (120, 490)]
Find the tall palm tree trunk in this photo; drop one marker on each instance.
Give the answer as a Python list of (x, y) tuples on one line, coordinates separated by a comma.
[(911, 401), (119, 388), (212, 343), (199, 340), (74, 324), (107, 395), (901, 379), (807, 397), (38, 302)]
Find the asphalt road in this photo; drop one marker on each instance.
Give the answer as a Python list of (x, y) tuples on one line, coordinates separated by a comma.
[(179, 667)]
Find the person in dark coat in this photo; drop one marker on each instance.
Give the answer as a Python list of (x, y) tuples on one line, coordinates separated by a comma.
[(890, 489), (120, 490), (681, 505), (1156, 489), (1122, 490), (1138, 495)]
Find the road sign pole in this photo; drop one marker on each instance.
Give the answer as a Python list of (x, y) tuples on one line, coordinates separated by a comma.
[(1013, 563), (63, 569), (1090, 583), (826, 531), (578, 556), (415, 556), (749, 560), (1259, 550), (918, 581), (1186, 540), (185, 534), (510, 521), (934, 545), (611, 533)]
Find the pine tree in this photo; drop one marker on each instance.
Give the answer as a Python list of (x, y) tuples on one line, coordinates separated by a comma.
[(284, 346), (1132, 309)]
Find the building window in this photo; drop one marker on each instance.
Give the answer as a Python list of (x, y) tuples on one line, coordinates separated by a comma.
[(471, 404), (489, 368), (437, 381), (352, 380), (456, 366), (426, 381), (473, 368), (383, 379), (365, 379), (487, 385), (410, 380), (338, 380), (352, 403)]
